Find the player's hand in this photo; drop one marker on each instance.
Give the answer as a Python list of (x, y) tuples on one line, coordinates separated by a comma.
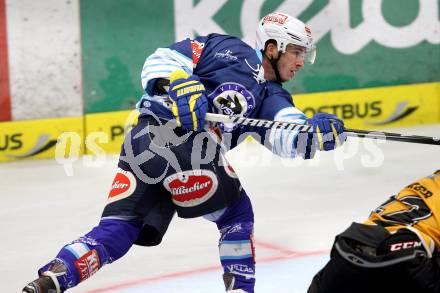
[(328, 131), (189, 100)]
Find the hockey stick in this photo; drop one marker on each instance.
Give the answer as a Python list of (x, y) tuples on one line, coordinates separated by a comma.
[(393, 136), (307, 128)]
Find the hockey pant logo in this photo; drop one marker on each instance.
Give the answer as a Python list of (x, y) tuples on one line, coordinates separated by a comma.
[(123, 186), (191, 188)]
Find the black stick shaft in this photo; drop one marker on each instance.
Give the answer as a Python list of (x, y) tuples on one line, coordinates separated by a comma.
[(306, 128), (393, 136)]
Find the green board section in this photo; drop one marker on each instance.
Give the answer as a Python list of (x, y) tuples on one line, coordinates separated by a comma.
[(117, 36), (373, 66)]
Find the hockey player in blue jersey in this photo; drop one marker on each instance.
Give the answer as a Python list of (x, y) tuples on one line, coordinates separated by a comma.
[(163, 168)]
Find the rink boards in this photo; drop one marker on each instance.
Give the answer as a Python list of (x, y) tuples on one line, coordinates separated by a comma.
[(102, 133)]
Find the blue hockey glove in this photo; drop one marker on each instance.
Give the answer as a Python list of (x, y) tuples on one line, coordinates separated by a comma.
[(328, 131), (189, 100)]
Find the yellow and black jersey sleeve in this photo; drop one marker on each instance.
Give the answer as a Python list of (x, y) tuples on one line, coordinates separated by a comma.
[(416, 207)]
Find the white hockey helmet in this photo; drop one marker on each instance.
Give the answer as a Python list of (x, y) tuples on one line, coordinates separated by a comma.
[(285, 29)]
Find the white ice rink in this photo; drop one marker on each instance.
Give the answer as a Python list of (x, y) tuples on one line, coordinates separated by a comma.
[(299, 208)]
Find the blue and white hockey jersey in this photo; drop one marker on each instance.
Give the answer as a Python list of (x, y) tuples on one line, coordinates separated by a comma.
[(233, 76)]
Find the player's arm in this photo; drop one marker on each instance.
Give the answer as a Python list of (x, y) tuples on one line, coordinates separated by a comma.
[(415, 204), (162, 63), (328, 130), (285, 142), (187, 96), (426, 273)]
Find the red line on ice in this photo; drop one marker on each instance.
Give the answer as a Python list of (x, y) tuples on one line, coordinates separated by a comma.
[(285, 253)]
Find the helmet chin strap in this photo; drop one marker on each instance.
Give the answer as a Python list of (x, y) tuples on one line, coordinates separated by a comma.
[(274, 63)]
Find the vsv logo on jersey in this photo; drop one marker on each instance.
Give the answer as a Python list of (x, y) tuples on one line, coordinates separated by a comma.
[(123, 186), (232, 98), (230, 105), (191, 188)]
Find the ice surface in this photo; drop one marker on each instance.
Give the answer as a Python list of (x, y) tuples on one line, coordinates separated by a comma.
[(299, 207)]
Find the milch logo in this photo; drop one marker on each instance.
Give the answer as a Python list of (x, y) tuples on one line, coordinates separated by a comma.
[(11, 142), (15, 142), (365, 110), (401, 111), (348, 111)]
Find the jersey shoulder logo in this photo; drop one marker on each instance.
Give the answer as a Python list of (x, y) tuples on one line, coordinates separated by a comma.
[(257, 72), (196, 48)]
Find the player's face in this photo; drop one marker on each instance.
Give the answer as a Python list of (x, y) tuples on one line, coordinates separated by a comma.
[(291, 61)]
